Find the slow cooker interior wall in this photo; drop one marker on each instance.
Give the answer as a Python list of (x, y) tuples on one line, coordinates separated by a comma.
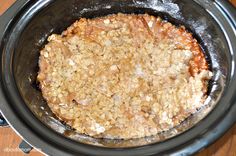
[(58, 15)]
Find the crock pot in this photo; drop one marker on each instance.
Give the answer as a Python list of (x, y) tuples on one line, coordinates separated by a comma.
[(24, 29)]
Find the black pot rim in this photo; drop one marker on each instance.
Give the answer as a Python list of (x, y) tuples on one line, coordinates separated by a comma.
[(42, 138)]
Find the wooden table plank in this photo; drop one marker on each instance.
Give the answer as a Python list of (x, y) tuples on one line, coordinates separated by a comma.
[(9, 141), (4, 4), (233, 2)]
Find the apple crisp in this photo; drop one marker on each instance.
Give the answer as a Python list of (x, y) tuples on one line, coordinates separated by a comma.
[(123, 76)]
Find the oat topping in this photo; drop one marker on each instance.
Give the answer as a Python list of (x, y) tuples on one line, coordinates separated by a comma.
[(123, 76)]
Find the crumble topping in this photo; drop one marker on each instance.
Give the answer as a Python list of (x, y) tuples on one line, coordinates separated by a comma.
[(123, 76)]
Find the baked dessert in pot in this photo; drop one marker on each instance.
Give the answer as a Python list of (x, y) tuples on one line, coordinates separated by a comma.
[(123, 76)]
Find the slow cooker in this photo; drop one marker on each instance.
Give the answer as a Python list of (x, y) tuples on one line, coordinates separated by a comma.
[(24, 29)]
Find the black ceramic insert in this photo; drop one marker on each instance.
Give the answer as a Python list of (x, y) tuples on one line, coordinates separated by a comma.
[(24, 30)]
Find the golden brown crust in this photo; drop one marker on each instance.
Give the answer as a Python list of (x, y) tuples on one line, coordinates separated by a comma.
[(123, 76)]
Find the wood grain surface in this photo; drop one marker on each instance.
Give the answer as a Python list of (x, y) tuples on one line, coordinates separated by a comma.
[(9, 141)]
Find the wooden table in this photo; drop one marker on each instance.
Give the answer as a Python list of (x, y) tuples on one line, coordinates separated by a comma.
[(9, 141)]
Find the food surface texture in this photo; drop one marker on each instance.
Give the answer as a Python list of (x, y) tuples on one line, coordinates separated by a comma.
[(123, 76)]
